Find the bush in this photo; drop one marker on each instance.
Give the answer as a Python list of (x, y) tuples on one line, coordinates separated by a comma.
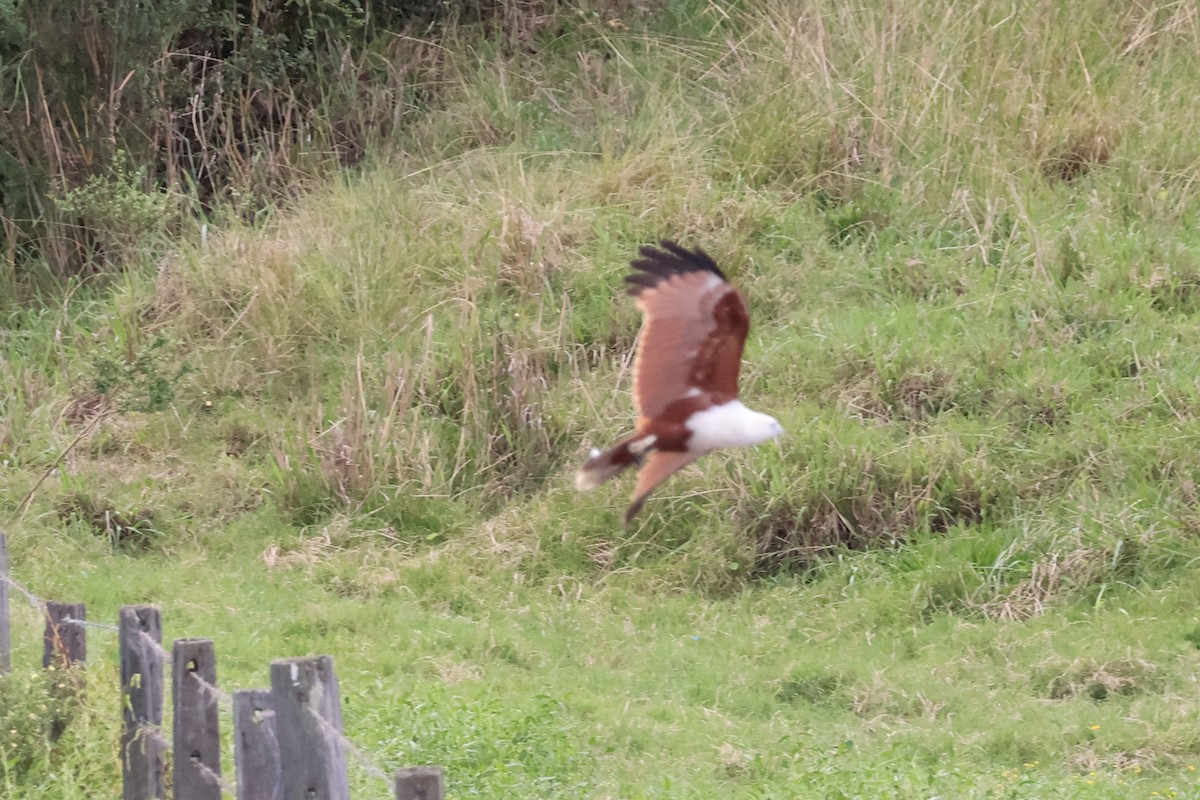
[(107, 108)]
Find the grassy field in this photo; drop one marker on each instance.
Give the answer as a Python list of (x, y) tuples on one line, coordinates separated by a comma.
[(969, 240)]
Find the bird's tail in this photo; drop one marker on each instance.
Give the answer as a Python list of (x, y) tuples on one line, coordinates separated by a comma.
[(613, 461)]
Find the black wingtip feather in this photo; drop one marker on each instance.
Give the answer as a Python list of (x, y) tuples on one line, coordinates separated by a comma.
[(659, 264)]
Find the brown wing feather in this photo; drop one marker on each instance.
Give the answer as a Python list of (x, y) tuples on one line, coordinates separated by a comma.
[(659, 466), (696, 326)]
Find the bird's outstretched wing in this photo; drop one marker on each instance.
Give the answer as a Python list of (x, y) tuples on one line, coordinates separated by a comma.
[(695, 328)]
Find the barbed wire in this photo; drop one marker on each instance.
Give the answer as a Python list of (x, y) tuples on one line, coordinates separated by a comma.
[(156, 647), (154, 733), (86, 624), (214, 693), (206, 772), (334, 736), (36, 601), (214, 777)]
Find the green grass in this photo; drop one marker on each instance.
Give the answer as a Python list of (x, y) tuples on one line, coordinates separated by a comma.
[(969, 243)]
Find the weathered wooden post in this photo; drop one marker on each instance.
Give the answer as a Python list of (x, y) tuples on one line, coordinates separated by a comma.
[(197, 739), (64, 644), (256, 746), (64, 641), (5, 642), (419, 783), (140, 637), (308, 719)]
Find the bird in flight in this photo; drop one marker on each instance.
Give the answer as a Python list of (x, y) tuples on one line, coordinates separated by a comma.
[(685, 374)]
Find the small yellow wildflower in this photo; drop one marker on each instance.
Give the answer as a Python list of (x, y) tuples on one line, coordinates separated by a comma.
[(1095, 728)]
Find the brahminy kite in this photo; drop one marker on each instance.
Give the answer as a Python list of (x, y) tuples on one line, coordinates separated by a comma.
[(685, 374)]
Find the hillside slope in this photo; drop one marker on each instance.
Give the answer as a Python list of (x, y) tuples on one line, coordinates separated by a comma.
[(968, 240)]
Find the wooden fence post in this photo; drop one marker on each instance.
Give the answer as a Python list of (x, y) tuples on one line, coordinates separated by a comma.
[(419, 783), (308, 718), (256, 746), (64, 642), (5, 642), (140, 640), (197, 739)]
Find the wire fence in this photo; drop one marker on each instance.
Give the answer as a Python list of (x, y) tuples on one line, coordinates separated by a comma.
[(295, 728)]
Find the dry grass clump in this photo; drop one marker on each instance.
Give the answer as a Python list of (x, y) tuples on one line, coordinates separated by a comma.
[(870, 504), (123, 529), (1087, 677), (1049, 577), (1078, 158), (913, 397)]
